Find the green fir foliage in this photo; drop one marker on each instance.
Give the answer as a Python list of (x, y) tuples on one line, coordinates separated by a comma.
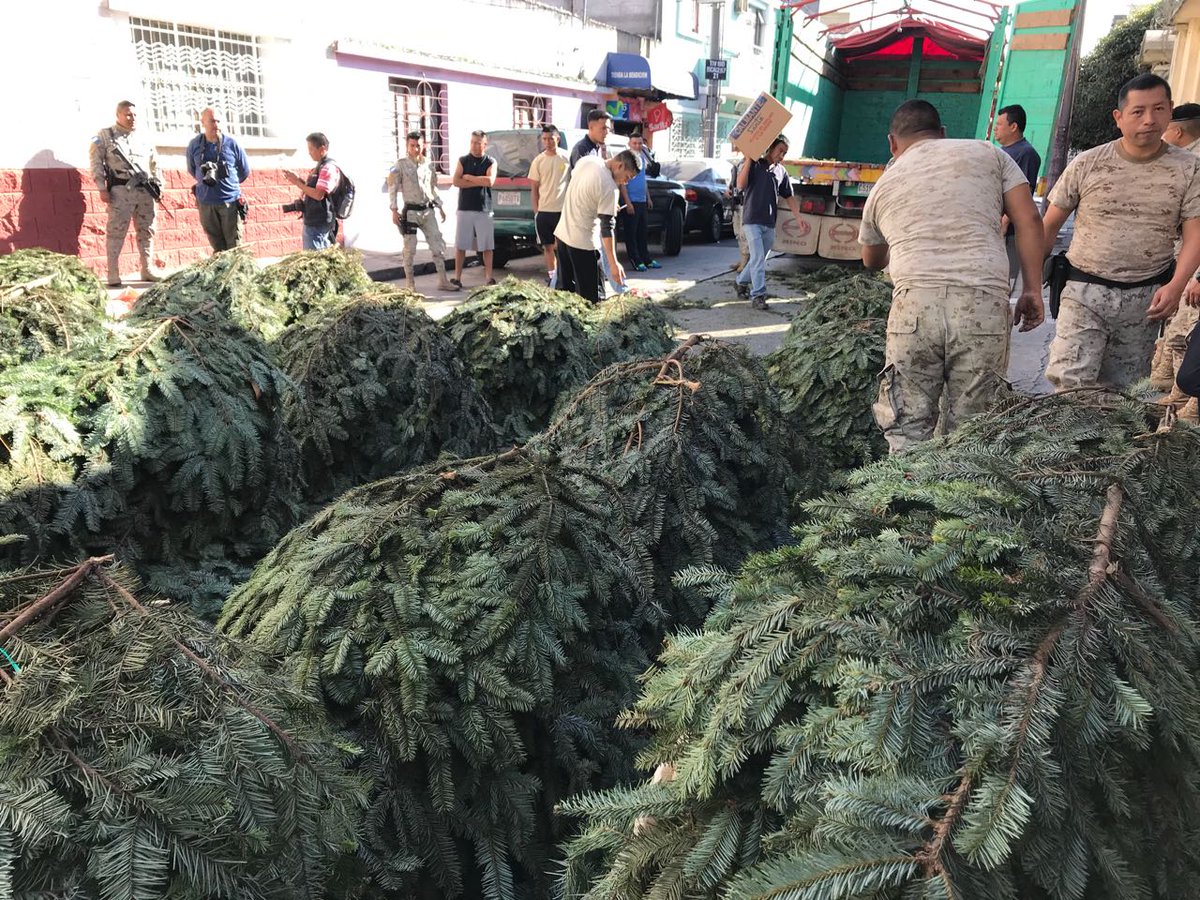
[(145, 757), (378, 388), (64, 273), (227, 283), (628, 327), (524, 344), (475, 630), (975, 677), (696, 444), (49, 304), (169, 443), (313, 280), (827, 373)]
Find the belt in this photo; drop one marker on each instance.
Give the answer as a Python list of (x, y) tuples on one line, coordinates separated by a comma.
[(419, 207), (1083, 277)]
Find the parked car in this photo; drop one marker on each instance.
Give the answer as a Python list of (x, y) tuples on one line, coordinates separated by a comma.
[(512, 199), (705, 182)]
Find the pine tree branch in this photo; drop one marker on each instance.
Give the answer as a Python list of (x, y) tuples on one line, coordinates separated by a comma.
[(1102, 548), (212, 674), (930, 855), (56, 596)]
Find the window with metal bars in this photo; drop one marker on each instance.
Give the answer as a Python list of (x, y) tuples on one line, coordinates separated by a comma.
[(530, 111), (421, 106), (185, 68)]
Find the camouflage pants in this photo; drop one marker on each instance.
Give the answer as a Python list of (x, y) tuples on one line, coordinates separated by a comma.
[(425, 221), (127, 204), (1175, 338), (951, 340), (1103, 337)]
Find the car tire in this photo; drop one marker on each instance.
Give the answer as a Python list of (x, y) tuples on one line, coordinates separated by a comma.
[(716, 225), (672, 233)]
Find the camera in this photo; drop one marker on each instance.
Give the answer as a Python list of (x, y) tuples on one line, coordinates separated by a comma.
[(208, 173), (295, 206)]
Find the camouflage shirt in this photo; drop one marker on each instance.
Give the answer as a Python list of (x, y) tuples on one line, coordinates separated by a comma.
[(413, 183), (938, 207), (102, 153), (1128, 214)]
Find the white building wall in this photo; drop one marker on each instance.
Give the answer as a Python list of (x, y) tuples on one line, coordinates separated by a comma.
[(326, 68)]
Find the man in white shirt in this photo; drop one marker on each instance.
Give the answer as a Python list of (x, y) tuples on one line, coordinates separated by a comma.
[(591, 195)]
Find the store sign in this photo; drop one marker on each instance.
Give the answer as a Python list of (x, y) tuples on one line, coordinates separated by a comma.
[(657, 118)]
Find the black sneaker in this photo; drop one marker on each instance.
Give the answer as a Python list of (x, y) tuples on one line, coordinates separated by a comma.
[(743, 290)]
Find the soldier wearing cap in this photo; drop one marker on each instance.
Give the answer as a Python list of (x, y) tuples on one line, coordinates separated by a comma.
[(1183, 132), (412, 190), (123, 165), (1131, 198)]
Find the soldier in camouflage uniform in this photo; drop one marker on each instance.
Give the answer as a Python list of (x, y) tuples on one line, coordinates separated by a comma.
[(412, 190), (1183, 132), (122, 188), (932, 220), (1131, 199)]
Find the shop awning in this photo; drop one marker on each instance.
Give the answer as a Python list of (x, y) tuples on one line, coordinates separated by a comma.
[(628, 73)]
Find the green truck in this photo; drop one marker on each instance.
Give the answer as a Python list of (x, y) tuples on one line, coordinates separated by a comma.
[(842, 99)]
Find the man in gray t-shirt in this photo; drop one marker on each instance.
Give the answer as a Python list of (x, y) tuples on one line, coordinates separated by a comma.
[(1132, 197), (932, 220)]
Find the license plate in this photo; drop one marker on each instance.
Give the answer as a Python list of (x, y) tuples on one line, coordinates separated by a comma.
[(508, 198)]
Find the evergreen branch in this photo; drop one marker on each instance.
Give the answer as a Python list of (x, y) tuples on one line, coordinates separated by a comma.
[(212, 674), (52, 598)]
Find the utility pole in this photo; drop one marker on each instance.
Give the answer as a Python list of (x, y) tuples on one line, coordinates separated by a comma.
[(714, 84)]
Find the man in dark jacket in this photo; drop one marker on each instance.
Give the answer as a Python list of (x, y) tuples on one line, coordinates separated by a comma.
[(321, 182)]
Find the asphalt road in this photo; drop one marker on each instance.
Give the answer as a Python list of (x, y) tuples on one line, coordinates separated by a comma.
[(697, 289)]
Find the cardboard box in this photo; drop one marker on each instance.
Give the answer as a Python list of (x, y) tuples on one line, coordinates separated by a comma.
[(798, 235), (763, 122), (839, 238)]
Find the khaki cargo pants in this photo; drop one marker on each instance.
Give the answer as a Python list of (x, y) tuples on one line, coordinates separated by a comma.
[(1179, 329), (126, 204), (940, 340), (1103, 337), (425, 221)]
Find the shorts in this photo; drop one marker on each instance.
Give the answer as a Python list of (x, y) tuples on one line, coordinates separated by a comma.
[(474, 231), (545, 223)]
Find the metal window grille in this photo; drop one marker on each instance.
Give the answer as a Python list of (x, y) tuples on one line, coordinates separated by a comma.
[(686, 137), (185, 68), (421, 106), (530, 111), (760, 28)]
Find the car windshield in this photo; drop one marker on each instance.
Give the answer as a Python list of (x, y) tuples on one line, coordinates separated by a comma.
[(514, 151)]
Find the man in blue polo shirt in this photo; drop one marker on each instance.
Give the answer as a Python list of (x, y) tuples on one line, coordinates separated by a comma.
[(762, 183), (219, 165), (637, 203)]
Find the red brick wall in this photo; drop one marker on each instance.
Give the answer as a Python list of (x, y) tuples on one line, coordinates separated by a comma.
[(60, 209)]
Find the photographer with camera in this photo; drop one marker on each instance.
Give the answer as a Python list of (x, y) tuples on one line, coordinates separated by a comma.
[(219, 165), (125, 170), (319, 219)]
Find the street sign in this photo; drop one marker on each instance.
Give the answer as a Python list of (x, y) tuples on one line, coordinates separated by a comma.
[(716, 69)]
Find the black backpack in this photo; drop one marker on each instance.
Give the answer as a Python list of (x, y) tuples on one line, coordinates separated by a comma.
[(341, 201)]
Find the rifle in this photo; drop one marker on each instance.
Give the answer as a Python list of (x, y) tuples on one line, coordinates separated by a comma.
[(139, 177)]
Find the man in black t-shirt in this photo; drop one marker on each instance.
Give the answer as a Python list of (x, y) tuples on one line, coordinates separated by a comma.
[(599, 124), (474, 176), (1010, 135), (762, 182)]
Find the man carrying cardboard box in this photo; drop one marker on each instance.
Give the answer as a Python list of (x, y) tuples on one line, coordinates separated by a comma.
[(761, 184)]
